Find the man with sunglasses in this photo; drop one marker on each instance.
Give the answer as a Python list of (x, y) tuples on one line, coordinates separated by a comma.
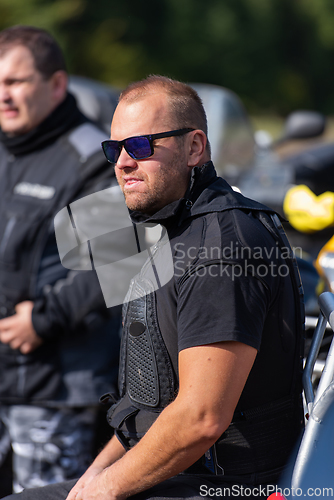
[(209, 386)]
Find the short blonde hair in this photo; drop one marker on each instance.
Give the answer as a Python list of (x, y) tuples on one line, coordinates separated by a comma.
[(186, 107)]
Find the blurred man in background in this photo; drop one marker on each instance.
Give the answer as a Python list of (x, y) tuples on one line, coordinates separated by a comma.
[(58, 341)]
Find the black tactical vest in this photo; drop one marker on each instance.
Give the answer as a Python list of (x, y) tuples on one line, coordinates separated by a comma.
[(257, 440)]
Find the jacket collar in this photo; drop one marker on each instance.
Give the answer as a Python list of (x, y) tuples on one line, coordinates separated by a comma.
[(206, 193)]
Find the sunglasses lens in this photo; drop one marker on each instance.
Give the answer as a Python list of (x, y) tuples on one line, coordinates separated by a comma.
[(111, 150), (138, 147)]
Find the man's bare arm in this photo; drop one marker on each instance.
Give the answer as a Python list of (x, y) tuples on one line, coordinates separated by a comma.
[(212, 378)]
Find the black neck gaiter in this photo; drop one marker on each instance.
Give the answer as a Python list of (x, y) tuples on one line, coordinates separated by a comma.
[(66, 116)]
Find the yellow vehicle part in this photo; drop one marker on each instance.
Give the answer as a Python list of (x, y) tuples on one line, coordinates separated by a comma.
[(325, 262), (307, 212)]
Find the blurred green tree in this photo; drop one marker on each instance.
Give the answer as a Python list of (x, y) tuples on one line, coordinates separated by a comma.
[(277, 55)]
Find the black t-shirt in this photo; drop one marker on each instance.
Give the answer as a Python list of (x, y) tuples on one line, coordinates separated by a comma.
[(232, 284), (217, 304)]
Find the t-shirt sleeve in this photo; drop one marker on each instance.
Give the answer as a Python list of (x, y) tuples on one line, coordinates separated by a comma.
[(217, 303)]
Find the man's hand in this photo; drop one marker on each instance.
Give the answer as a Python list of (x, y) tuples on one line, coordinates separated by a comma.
[(18, 330), (94, 483), (78, 491), (95, 487)]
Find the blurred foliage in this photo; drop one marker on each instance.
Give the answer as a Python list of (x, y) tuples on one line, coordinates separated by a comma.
[(277, 55)]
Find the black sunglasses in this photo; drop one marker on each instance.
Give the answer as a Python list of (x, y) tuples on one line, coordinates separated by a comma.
[(139, 147)]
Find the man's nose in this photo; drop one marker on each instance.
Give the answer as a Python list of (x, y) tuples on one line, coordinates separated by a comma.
[(125, 160)]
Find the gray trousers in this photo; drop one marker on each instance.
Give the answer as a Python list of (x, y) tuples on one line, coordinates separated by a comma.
[(49, 445)]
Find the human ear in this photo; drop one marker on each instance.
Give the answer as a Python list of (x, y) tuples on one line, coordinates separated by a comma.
[(59, 81), (197, 148)]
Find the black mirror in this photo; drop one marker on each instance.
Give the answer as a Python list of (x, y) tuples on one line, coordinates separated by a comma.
[(303, 125)]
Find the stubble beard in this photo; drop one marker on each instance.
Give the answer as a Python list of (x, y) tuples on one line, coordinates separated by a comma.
[(155, 198)]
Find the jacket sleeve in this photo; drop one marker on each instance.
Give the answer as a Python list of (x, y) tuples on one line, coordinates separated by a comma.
[(72, 303), (71, 299)]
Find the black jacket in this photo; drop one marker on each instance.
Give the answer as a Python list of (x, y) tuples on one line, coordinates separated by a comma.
[(40, 173)]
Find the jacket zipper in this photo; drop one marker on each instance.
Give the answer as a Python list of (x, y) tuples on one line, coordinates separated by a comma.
[(8, 231)]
